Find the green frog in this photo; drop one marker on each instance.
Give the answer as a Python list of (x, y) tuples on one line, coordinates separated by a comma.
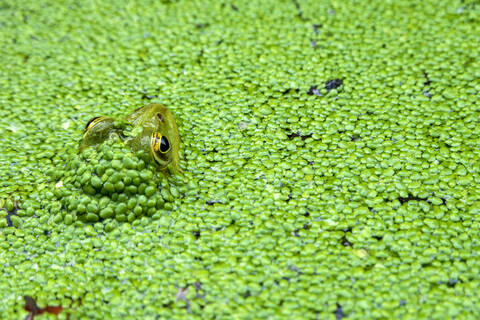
[(106, 181), (154, 131)]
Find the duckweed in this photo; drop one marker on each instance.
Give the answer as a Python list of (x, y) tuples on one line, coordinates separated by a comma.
[(88, 197), (330, 151)]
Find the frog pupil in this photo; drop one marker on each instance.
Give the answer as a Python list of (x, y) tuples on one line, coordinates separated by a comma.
[(160, 117), (164, 144)]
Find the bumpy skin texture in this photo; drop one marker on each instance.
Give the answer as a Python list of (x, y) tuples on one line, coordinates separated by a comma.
[(147, 120)]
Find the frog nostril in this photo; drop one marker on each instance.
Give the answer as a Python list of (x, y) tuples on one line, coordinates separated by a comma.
[(160, 117)]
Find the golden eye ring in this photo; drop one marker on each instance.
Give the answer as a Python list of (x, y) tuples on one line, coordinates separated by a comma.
[(159, 143)]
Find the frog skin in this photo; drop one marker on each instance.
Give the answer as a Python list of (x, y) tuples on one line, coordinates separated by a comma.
[(154, 131), (96, 131), (159, 135)]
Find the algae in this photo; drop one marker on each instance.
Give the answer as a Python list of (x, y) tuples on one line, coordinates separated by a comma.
[(330, 150)]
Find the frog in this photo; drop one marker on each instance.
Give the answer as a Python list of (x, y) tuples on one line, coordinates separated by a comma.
[(154, 131), (115, 176)]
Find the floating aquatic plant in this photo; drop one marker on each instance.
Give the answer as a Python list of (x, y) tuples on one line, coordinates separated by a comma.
[(330, 150)]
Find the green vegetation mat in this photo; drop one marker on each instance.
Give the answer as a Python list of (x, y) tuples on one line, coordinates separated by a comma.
[(330, 149)]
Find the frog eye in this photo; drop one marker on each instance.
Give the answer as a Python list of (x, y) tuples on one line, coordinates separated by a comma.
[(93, 122), (159, 143), (160, 117)]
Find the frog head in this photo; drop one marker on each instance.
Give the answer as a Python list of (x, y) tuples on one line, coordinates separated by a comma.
[(152, 129)]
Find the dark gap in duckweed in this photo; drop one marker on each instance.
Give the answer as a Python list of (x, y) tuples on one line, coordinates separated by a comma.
[(9, 221), (427, 84), (11, 207), (355, 137), (198, 291), (333, 84), (313, 90), (427, 81), (299, 10), (167, 305), (292, 268), (212, 202), (205, 151), (187, 302), (402, 303), (410, 197), (105, 302), (148, 97), (201, 26), (394, 253), (339, 312), (298, 135), (26, 57), (453, 282), (200, 57), (368, 266), (196, 234), (290, 90), (344, 241), (234, 8)]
